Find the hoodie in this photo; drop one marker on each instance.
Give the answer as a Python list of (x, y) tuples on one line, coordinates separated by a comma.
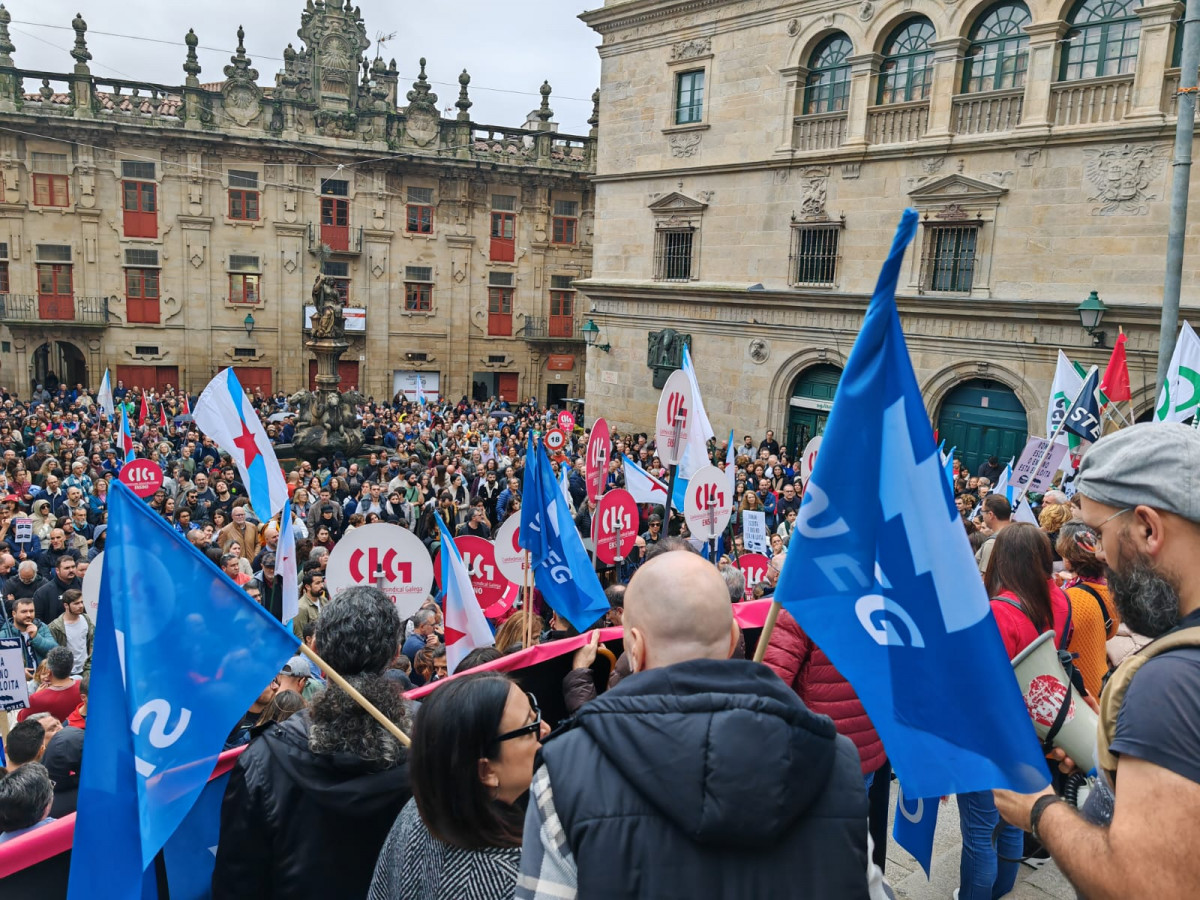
[(295, 824), (709, 778)]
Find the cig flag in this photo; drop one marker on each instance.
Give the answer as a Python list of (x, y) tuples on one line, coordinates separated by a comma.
[(881, 576), (224, 413), (695, 451), (180, 654), (1179, 396)]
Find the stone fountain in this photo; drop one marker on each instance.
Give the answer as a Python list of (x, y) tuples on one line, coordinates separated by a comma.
[(327, 420)]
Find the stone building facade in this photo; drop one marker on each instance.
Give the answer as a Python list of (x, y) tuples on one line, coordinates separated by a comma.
[(756, 156), (164, 232)]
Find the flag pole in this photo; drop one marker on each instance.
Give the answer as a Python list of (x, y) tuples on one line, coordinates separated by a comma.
[(527, 605), (768, 627), (1040, 458), (358, 698)]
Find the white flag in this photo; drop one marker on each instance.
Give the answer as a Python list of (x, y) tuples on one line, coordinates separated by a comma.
[(1179, 396), (285, 564), (104, 399), (695, 451), (644, 487), (1066, 387), (466, 626)]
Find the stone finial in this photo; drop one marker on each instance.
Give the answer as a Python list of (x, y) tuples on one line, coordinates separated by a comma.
[(464, 101), (6, 44), (392, 70), (241, 47), (80, 50), (594, 118), (420, 97), (191, 65), (239, 68), (545, 113)]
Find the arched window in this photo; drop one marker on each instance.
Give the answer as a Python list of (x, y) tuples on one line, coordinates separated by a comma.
[(828, 86), (1103, 39), (907, 70), (999, 51)]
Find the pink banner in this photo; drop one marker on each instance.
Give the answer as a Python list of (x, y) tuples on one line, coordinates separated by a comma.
[(55, 838), (747, 615)]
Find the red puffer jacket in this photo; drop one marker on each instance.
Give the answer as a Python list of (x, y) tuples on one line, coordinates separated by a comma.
[(806, 669)]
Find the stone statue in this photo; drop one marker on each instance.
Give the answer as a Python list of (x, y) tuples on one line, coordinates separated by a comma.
[(329, 318)]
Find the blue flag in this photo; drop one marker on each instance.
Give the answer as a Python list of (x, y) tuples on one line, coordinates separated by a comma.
[(916, 821), (883, 579), (561, 568), (191, 853), (180, 653)]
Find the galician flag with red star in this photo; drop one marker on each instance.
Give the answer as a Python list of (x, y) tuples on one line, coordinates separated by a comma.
[(466, 625), (224, 413)]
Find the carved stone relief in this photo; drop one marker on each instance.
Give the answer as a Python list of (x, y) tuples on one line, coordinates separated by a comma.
[(684, 145), (759, 350), (1121, 176), (691, 49)]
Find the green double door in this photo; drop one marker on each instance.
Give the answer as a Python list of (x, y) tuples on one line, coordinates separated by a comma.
[(980, 419), (812, 398)]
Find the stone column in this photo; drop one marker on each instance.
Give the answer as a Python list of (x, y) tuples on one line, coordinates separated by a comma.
[(794, 78), (862, 85), (1154, 56), (1040, 75), (945, 85)]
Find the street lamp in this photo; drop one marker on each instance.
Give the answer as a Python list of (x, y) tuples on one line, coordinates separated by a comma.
[(249, 323), (1091, 312), (591, 333)]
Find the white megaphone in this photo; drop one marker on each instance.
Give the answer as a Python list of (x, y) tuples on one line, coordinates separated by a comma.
[(1047, 689)]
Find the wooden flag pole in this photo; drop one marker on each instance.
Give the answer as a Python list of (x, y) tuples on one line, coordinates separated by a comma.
[(768, 627), (527, 604), (358, 698)]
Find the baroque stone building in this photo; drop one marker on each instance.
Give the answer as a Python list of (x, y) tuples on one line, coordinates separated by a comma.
[(756, 156), (165, 232)]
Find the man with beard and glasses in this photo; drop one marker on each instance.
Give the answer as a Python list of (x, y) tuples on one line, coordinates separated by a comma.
[(1140, 490)]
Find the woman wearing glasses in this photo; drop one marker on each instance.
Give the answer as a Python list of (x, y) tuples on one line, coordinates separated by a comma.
[(471, 763)]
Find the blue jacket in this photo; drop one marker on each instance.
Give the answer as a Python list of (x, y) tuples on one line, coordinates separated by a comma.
[(36, 650)]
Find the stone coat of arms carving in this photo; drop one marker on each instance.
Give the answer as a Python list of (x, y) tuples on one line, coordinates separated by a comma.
[(1121, 176)]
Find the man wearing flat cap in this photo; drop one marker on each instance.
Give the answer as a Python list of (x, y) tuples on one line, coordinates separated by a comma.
[(1140, 498)]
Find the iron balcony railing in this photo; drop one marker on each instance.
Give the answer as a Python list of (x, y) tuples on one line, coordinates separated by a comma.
[(552, 328), (34, 309)]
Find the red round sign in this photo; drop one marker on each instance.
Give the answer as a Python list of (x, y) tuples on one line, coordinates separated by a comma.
[(754, 567), (614, 522), (479, 556), (555, 440), (599, 448), (142, 476), (566, 421)]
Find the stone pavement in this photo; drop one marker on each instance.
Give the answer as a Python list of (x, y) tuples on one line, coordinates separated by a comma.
[(908, 880)]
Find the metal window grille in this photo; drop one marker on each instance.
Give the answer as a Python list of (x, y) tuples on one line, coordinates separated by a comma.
[(418, 273), (145, 350), (948, 259), (246, 181), (141, 171), (141, 258), (335, 187), (49, 163), (504, 203), (335, 269), (245, 351), (421, 195), (815, 255), (497, 358), (500, 279), (53, 253), (689, 97), (673, 255), (562, 282), (243, 263), (566, 207)]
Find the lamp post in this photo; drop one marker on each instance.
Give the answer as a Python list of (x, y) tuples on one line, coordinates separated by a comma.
[(1091, 312), (248, 322), (591, 333)]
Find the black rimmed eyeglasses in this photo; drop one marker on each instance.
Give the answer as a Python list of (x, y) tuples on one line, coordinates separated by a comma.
[(532, 728)]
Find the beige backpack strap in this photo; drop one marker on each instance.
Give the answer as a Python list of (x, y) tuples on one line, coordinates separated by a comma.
[(1114, 691)]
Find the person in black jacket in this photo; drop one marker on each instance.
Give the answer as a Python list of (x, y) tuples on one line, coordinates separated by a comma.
[(48, 598), (22, 586), (310, 802), (698, 775)]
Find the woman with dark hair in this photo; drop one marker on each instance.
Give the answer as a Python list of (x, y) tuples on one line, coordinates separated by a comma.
[(471, 763), (1025, 603)]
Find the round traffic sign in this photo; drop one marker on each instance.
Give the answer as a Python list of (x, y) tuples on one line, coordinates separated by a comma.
[(599, 447), (674, 418), (359, 556), (708, 504), (141, 476), (614, 525), (566, 421), (555, 440), (509, 555)]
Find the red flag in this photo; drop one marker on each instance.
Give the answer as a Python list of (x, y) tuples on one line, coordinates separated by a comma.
[(144, 412), (1115, 383), (187, 407), (162, 416)]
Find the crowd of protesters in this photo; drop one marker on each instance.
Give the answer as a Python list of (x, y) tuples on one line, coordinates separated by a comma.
[(645, 790)]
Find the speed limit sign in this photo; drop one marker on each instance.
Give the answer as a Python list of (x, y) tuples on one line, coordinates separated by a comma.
[(555, 440)]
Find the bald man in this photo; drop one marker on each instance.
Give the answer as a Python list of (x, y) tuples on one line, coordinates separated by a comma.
[(698, 775)]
